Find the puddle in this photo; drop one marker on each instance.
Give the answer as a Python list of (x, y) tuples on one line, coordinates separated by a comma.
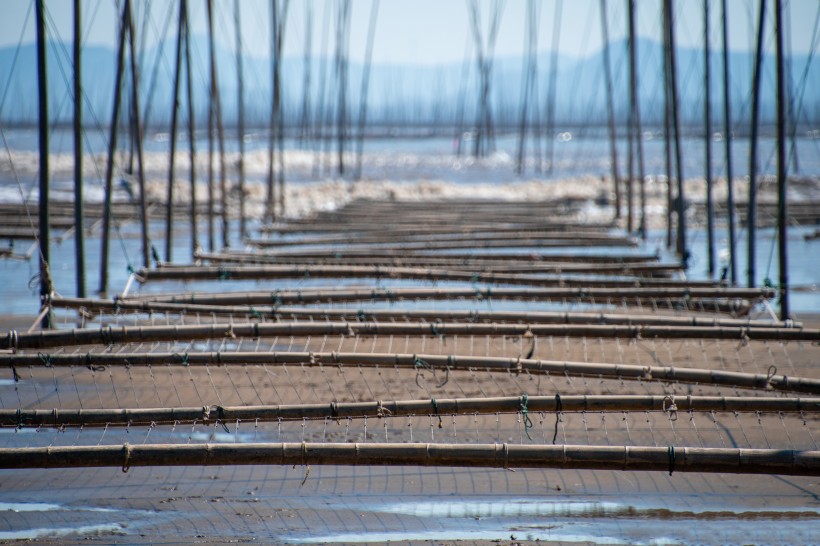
[(222, 437), (505, 509), (61, 532), (46, 507), (493, 535), (7, 382)]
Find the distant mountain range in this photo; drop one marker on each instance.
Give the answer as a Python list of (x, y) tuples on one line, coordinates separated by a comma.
[(401, 94)]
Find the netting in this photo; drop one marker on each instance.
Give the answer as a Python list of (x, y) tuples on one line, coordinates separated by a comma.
[(374, 396)]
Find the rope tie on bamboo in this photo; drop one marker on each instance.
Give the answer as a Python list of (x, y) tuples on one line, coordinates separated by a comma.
[(361, 316), (107, 335), (381, 411), (525, 416), (19, 415), (435, 332), (671, 453), (277, 299), (220, 418), (126, 463), (45, 358), (334, 411), (224, 274), (307, 466), (13, 338), (672, 408), (183, 358), (529, 334), (770, 375), (435, 411), (558, 409)]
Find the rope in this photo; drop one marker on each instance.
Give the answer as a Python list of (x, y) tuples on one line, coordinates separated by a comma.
[(435, 411), (525, 416), (672, 408), (45, 358), (671, 452), (126, 464), (558, 408)]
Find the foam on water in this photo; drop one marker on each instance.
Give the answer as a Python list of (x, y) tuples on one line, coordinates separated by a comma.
[(62, 532)]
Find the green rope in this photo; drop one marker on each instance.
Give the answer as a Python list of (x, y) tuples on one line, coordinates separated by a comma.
[(525, 414)]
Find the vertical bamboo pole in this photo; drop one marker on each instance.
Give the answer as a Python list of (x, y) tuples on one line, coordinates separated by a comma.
[(270, 214), (613, 147), (42, 84), (727, 139), (280, 129), (79, 233), (371, 32), (112, 147), (667, 129), (630, 124), (135, 107), (683, 252), (707, 115), (556, 36), (751, 216), (191, 127), (240, 120), (636, 110), (782, 218), (220, 134), (169, 205)]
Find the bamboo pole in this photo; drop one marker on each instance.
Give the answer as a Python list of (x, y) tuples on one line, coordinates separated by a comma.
[(666, 459), (42, 86), (668, 404), (419, 362), (191, 131), (268, 271), (782, 181), (613, 149), (169, 207), (532, 238), (240, 120), (79, 232), (278, 313), (112, 147), (751, 222), (138, 135), (707, 115), (466, 244), (681, 247), (727, 138)]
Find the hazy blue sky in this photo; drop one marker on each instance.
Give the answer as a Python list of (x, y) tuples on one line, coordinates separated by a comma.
[(413, 31)]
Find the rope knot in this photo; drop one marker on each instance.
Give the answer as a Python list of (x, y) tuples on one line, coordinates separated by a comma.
[(672, 408)]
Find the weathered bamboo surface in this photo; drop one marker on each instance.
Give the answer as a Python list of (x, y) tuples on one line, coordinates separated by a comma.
[(279, 313), (424, 362), (661, 459), (441, 406), (266, 272), (125, 334)]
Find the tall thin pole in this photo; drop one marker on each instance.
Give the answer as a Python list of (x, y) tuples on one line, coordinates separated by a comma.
[(135, 107), (191, 127), (751, 216), (683, 252), (217, 114), (79, 233), (707, 114), (280, 129), (270, 214), (45, 284), (371, 33), (240, 120), (613, 147), (635, 108), (169, 205), (556, 36), (727, 139), (630, 124), (667, 129), (782, 218), (112, 147)]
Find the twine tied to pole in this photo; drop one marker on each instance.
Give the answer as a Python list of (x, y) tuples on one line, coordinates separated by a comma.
[(558, 408), (526, 416), (672, 408), (435, 411)]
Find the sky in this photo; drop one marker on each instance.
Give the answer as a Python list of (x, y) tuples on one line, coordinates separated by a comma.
[(414, 31)]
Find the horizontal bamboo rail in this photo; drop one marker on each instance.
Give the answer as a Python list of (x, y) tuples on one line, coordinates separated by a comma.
[(667, 459), (443, 406), (264, 272), (717, 300), (484, 266), (406, 228), (517, 242), (377, 315), (466, 257), (386, 236), (133, 334), (432, 364)]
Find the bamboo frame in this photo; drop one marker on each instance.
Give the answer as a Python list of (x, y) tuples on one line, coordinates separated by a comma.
[(507, 456), (360, 315), (126, 334), (444, 363), (449, 406)]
